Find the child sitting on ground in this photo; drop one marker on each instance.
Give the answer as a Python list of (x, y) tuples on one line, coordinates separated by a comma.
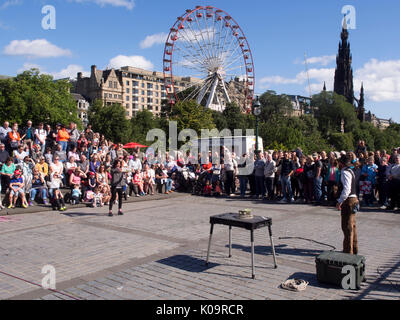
[(218, 190), (97, 198), (207, 188), (138, 183), (76, 195), (57, 199)]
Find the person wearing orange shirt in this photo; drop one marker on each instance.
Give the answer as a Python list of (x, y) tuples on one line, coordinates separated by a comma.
[(63, 138)]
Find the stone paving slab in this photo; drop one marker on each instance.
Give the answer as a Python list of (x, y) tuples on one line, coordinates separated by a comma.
[(156, 251)]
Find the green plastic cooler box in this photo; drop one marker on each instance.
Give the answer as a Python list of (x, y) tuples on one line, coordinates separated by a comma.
[(330, 265)]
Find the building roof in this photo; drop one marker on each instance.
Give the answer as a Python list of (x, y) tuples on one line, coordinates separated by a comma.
[(77, 96)]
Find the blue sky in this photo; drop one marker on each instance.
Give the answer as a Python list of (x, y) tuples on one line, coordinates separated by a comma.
[(112, 32)]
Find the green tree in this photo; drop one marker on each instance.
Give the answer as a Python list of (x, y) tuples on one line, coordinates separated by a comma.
[(142, 123), (34, 96), (342, 141), (331, 110), (111, 121), (190, 115)]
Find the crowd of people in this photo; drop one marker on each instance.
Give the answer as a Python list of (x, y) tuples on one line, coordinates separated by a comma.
[(60, 165)]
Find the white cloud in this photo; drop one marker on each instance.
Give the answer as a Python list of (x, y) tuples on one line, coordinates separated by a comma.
[(323, 74), (381, 80), (10, 3), (128, 4), (322, 60), (28, 66), (69, 72), (39, 48), (131, 61), (154, 39)]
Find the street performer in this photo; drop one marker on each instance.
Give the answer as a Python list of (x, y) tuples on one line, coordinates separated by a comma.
[(348, 204)]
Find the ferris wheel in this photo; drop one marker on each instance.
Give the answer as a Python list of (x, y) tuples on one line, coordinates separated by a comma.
[(208, 45)]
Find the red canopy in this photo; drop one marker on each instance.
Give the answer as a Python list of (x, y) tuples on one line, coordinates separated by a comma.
[(133, 145)]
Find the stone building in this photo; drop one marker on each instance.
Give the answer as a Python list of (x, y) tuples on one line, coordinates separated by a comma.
[(82, 106), (135, 89)]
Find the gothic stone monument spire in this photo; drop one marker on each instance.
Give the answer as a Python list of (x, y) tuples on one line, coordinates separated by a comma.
[(344, 72)]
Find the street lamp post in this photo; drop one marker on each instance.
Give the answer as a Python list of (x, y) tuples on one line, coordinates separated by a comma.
[(257, 112)]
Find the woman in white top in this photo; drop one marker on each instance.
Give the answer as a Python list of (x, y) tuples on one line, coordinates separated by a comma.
[(71, 165), (40, 137)]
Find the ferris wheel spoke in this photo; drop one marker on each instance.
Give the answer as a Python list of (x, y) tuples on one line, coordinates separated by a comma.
[(223, 45), (231, 53), (234, 60), (193, 41), (192, 57), (208, 35), (190, 40), (201, 33), (217, 49), (187, 61), (199, 88)]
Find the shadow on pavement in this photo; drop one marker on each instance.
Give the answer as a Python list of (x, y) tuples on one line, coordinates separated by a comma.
[(279, 250), (188, 263)]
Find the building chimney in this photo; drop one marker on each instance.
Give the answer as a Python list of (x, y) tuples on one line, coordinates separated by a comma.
[(79, 75), (94, 68)]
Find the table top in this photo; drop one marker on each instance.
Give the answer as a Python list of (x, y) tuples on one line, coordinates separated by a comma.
[(232, 219)]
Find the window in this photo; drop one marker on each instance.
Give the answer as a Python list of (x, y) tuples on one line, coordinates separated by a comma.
[(143, 84), (136, 99), (150, 107), (156, 86), (149, 86), (127, 113), (127, 90), (120, 97), (135, 83), (110, 84), (157, 101), (127, 98), (127, 105), (156, 94), (135, 106), (143, 93), (110, 95), (115, 85), (149, 100), (115, 96), (142, 99), (156, 108), (105, 96), (149, 93), (135, 91), (127, 83)]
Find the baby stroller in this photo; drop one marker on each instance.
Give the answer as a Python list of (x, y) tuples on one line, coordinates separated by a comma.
[(186, 180), (200, 183)]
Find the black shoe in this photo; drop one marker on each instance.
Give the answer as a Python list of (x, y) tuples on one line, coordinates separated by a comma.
[(110, 214), (120, 213)]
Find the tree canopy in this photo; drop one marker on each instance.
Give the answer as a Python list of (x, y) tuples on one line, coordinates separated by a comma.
[(36, 97)]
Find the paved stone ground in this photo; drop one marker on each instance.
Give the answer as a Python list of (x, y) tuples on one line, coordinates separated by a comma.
[(157, 251)]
